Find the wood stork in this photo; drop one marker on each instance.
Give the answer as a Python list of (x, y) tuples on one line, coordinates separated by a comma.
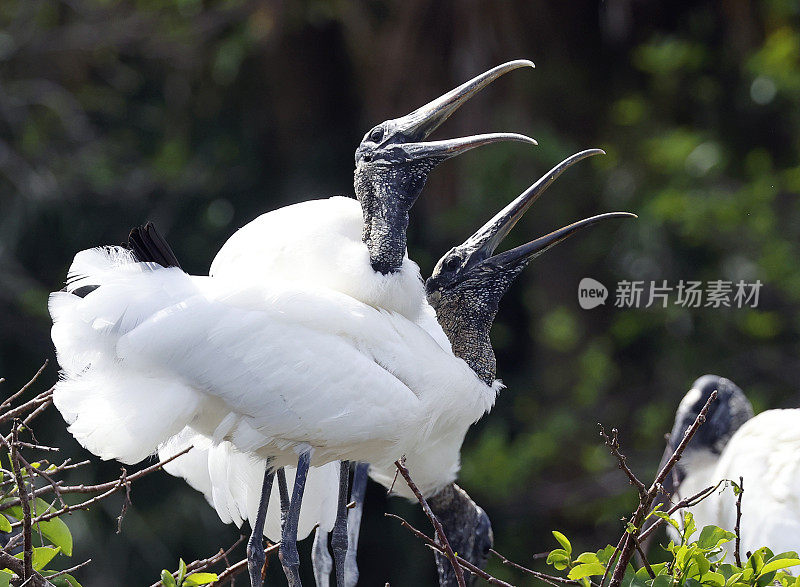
[(150, 349), (465, 289), (732, 443)]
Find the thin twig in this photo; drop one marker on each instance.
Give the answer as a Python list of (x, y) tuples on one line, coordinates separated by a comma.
[(201, 565), (612, 559), (115, 485), (645, 562), (438, 548), (10, 399), (551, 579), (684, 503), (127, 501), (27, 557), (71, 569), (622, 461), (448, 551), (738, 528), (229, 573), (110, 487)]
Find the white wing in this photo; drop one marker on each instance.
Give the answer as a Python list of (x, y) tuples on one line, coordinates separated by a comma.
[(291, 366)]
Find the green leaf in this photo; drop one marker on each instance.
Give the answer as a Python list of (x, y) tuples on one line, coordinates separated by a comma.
[(714, 579), (196, 579), (712, 536), (586, 570), (167, 579), (666, 517), (662, 581), (181, 571), (5, 525), (558, 558), (689, 527), (64, 581), (587, 557), (776, 565), (55, 530), (5, 579), (562, 540), (41, 556)]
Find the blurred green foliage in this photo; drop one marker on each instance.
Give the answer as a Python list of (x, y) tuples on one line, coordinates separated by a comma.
[(201, 114)]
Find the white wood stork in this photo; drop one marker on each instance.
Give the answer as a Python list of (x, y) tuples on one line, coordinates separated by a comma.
[(763, 450), (285, 371)]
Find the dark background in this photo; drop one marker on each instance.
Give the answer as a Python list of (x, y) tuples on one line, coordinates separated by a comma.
[(201, 115)]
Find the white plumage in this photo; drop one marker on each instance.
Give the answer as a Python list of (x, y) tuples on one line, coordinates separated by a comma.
[(732, 443), (272, 368), (765, 452)]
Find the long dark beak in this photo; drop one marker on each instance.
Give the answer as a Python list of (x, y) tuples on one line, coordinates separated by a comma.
[(526, 252), (424, 120), (488, 237), (419, 124)]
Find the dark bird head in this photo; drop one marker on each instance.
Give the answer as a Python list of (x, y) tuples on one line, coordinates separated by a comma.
[(393, 162), (725, 416), (468, 530), (469, 280)]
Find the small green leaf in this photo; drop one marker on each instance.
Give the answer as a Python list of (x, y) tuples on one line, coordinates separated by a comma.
[(5, 579), (586, 570), (558, 558), (55, 530), (662, 581), (196, 579), (562, 540), (776, 565), (5, 525), (714, 579), (64, 581), (712, 536), (181, 571), (167, 579), (587, 557), (41, 556)]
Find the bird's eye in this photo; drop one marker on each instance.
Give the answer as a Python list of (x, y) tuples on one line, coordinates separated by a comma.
[(376, 134), (452, 263)]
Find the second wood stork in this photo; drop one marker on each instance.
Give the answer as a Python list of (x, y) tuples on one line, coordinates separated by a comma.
[(733, 443)]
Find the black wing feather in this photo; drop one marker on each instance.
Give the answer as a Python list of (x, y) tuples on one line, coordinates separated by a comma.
[(148, 246)]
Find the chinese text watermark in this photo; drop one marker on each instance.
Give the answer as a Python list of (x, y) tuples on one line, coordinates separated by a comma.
[(717, 293)]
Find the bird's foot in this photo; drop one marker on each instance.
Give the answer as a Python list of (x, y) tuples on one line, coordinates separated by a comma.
[(255, 562), (290, 560)]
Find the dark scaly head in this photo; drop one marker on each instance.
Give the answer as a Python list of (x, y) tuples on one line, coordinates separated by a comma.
[(468, 282), (725, 416), (393, 162)]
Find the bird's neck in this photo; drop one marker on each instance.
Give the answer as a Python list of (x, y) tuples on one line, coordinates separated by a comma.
[(467, 326)]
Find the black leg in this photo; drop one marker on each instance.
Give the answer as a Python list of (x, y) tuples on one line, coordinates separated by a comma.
[(339, 537), (354, 523), (290, 558), (321, 558), (255, 546), (284, 492)]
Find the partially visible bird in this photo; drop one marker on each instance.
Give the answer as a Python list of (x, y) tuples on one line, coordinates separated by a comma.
[(732, 443)]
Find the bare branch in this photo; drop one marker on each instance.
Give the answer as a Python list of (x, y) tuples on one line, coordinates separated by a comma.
[(631, 534), (438, 548), (448, 551), (738, 528), (10, 399), (613, 444), (27, 556)]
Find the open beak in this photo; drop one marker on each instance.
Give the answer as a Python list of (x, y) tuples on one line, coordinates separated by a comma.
[(526, 252), (420, 123), (488, 237)]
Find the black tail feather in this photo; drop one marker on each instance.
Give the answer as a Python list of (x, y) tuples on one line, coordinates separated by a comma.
[(148, 246)]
